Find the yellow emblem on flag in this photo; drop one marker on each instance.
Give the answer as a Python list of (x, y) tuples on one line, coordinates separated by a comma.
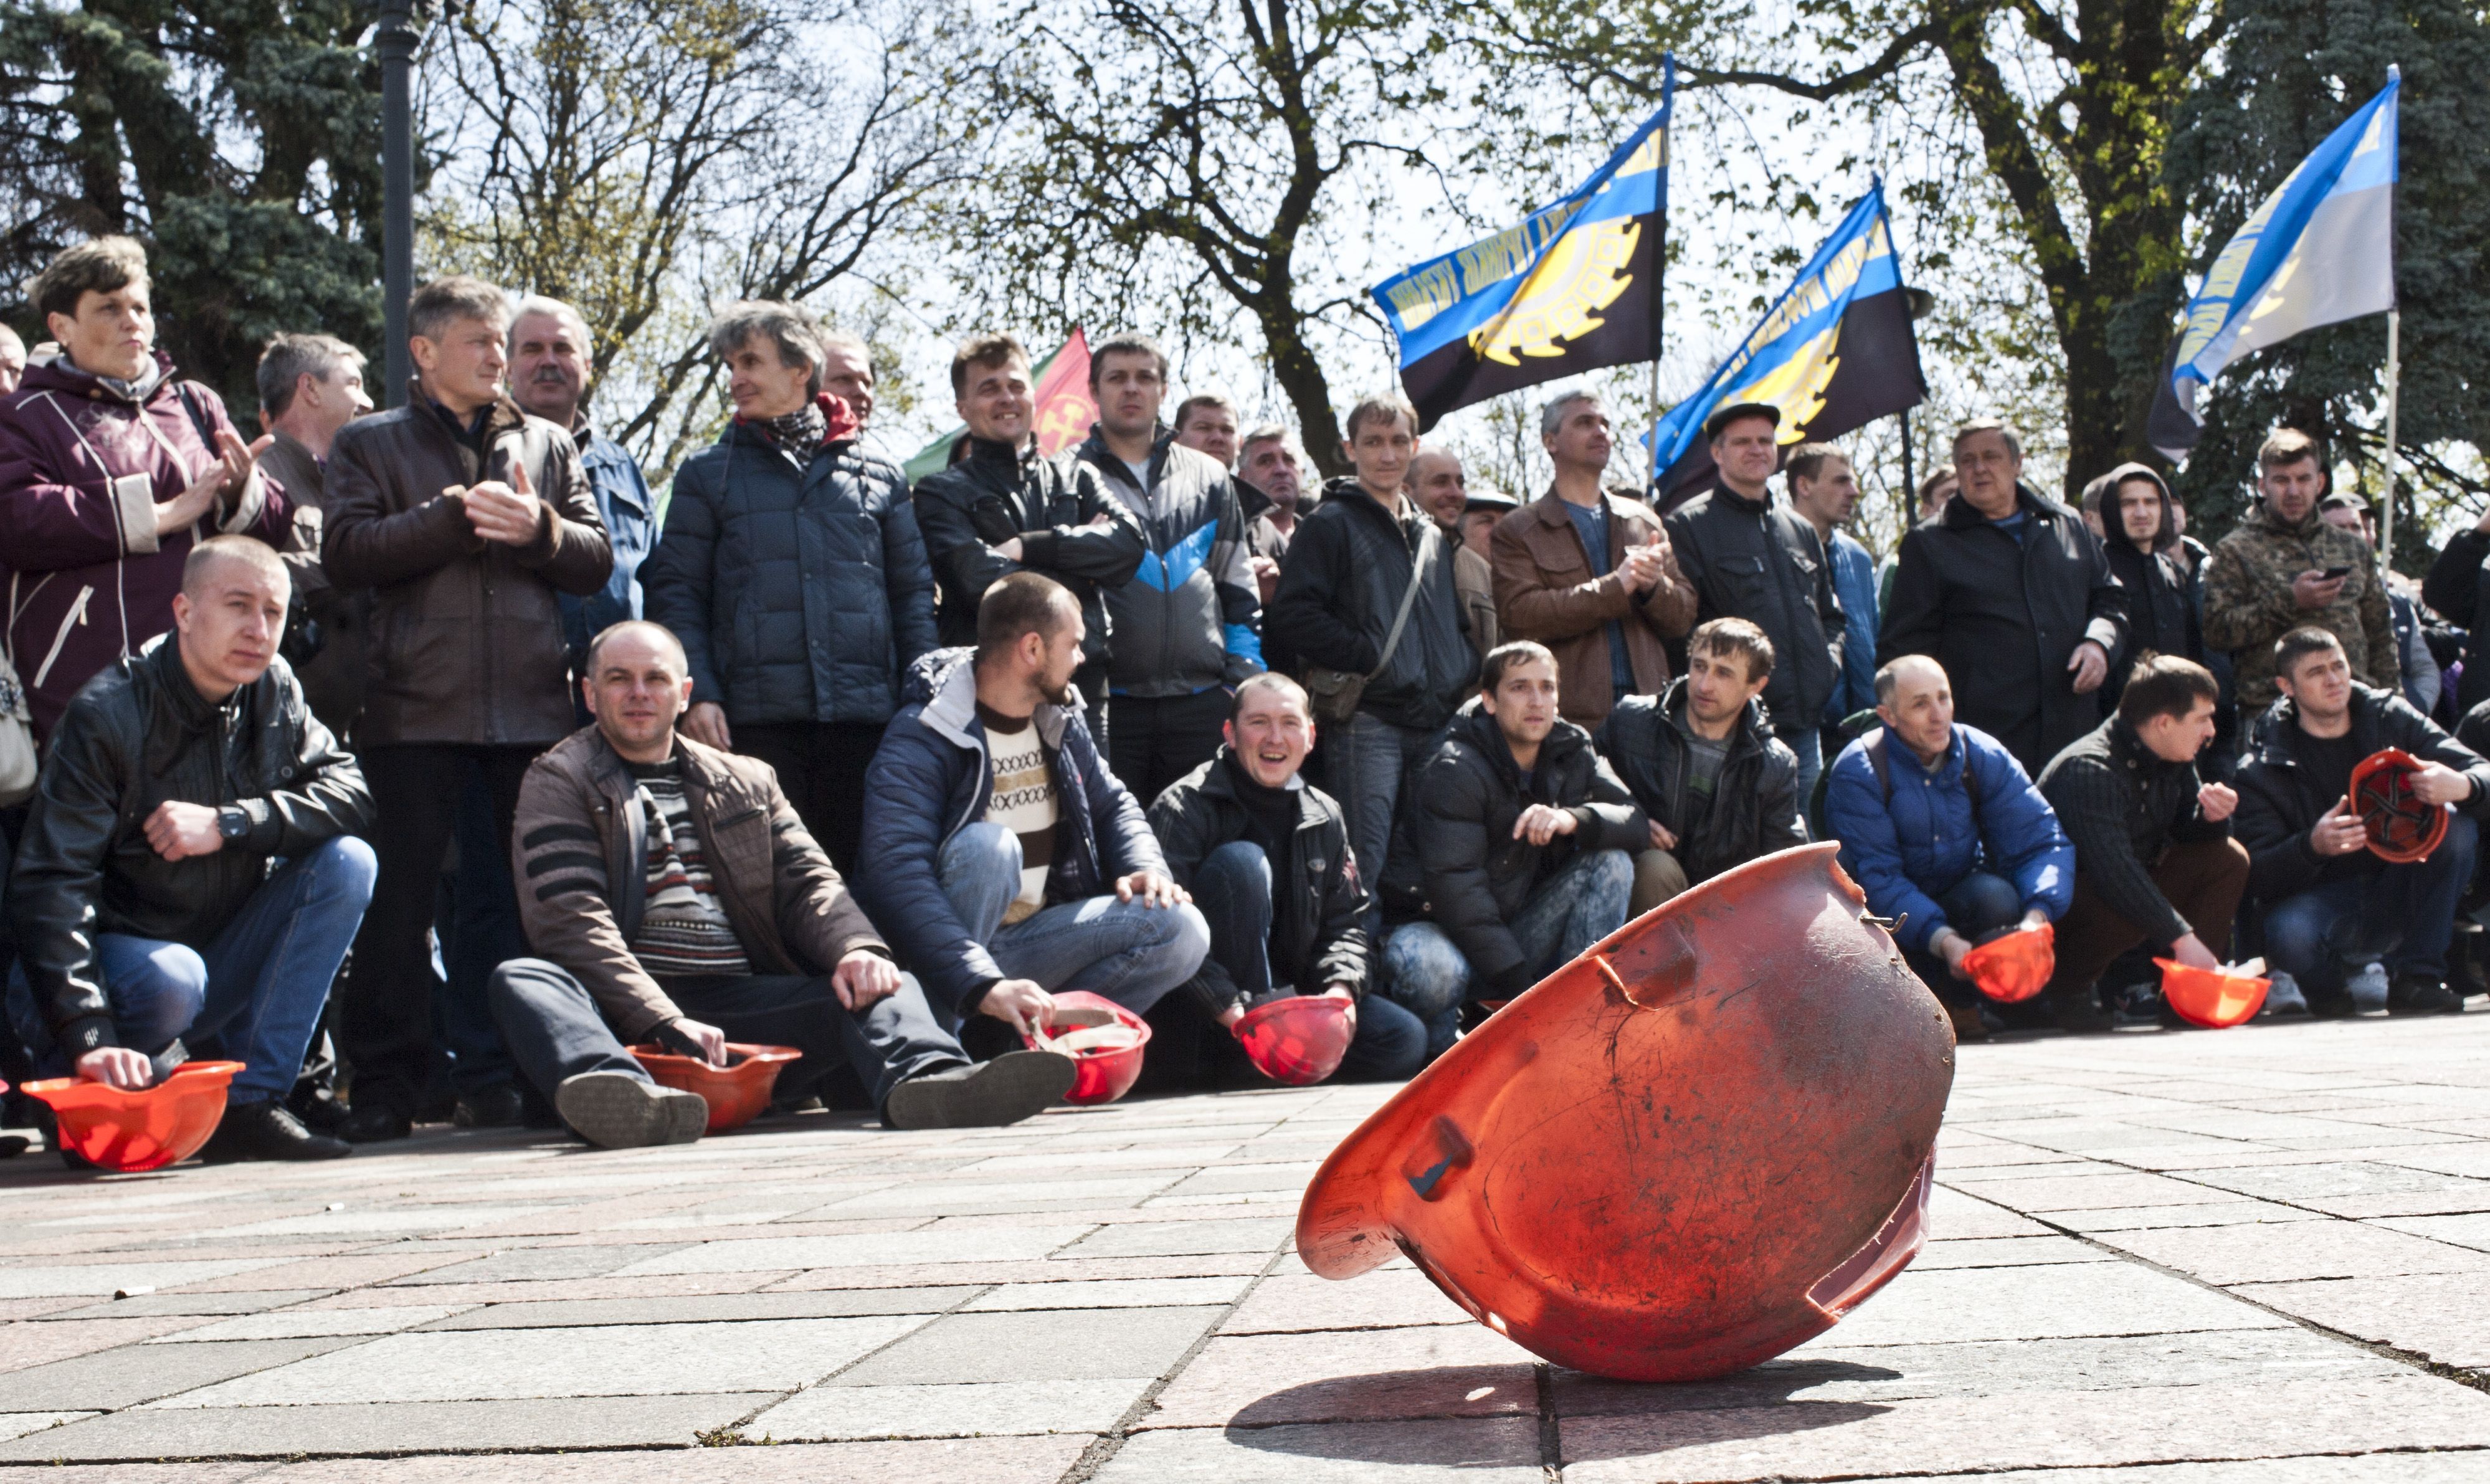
[(1578, 278), (1796, 386)]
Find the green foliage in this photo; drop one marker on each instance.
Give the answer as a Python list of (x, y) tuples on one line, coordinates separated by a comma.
[(2290, 71), (239, 139)]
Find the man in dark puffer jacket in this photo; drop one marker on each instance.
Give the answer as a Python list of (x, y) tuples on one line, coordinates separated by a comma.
[(1002, 508), (792, 573), (1526, 838)]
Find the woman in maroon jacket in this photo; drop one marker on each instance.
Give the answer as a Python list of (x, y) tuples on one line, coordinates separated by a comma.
[(110, 470)]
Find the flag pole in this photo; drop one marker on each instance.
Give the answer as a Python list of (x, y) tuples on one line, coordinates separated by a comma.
[(2387, 505)]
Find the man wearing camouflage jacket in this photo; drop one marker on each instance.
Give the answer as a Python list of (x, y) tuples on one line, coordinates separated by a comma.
[(2285, 567)]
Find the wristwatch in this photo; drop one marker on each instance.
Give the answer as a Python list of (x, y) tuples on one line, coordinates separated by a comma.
[(233, 823)]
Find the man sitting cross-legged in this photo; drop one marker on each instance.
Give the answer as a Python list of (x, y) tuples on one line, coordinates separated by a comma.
[(1941, 828), (187, 873), (1524, 836), (674, 897), (1266, 857), (1003, 859)]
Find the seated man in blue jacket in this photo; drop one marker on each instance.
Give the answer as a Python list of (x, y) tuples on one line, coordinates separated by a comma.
[(1946, 833), (1001, 858)]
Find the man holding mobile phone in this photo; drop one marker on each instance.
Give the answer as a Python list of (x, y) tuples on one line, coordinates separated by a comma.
[(2285, 568)]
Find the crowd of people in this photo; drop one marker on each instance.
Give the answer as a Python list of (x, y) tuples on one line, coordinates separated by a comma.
[(426, 757)]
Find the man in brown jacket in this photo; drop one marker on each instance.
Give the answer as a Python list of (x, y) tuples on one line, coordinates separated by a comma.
[(1589, 574), (467, 519), (676, 897)]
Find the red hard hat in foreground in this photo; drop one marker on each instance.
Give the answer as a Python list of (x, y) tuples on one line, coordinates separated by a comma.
[(144, 1130), (1298, 1039), (2210, 998), (1693, 1148), (1104, 1041), (737, 1092), (2401, 827), (2013, 967)]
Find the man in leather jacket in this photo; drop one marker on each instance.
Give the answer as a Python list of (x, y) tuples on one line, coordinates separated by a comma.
[(1004, 508), (189, 879)]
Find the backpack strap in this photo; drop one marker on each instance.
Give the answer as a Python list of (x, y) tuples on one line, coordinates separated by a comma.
[(1876, 764)]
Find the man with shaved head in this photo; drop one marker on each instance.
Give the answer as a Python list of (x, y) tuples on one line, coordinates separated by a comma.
[(673, 895), (190, 877), (1946, 833)]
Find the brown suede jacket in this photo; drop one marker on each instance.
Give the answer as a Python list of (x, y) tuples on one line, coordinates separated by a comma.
[(1544, 589), (579, 850), (466, 637)]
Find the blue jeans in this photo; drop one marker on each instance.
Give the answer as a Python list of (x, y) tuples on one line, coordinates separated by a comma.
[(1128, 952), (478, 920), (2404, 915), (1234, 890), (253, 994), (1571, 910), (1977, 905), (1809, 743), (1365, 764)]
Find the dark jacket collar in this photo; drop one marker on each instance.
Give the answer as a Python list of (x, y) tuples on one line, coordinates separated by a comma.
[(180, 714), (988, 454), (57, 373), (1221, 782), (2279, 733), (1110, 463), (1738, 502), (1751, 732), (501, 415), (1474, 728), (1960, 514)]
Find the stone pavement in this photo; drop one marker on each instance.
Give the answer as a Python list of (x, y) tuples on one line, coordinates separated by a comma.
[(2253, 1256)]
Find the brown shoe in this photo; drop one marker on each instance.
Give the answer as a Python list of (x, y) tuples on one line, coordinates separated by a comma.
[(1967, 1024)]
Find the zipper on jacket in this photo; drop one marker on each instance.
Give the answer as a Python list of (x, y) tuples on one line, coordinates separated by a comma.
[(75, 617)]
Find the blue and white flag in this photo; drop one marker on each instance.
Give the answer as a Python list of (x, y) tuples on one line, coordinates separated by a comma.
[(2321, 249), (1833, 353)]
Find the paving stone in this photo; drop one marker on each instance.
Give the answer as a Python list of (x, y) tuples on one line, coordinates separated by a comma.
[(1929, 1305), (302, 1323), (105, 1277), (152, 1305), (534, 1264), (1111, 1294), (913, 1248), (1823, 1372), (138, 1474), (2464, 1467), (1206, 1265), (2442, 1317), (30, 1343), (1470, 1451), (1054, 1344), (981, 1408), (2008, 1252), (1268, 1379), (2470, 1231), (1951, 1214), (2090, 1192), (951, 1461), (616, 1361), (557, 1290), (1955, 1435), (825, 1303), (2296, 1251), (2148, 1218), (1173, 1239), (313, 1428), (1387, 1299), (2359, 1188), (329, 1273), (18, 1424), (131, 1374)]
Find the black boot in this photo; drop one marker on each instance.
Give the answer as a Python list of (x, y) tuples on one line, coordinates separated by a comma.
[(2414, 993), (267, 1130), (374, 1122), (493, 1107)]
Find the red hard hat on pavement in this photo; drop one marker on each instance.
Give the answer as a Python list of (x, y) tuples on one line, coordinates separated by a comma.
[(1696, 1146), (1298, 1039), (1104, 1041), (144, 1130), (2401, 827), (2210, 998), (2013, 967), (737, 1092)]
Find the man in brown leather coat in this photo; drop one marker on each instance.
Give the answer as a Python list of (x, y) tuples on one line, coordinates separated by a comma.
[(466, 518)]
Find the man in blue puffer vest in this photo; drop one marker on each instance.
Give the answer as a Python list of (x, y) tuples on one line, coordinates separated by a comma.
[(1001, 860), (793, 572), (1188, 627), (1946, 833)]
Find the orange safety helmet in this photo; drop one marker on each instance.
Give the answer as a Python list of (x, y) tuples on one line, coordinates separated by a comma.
[(2012, 967), (1104, 1041), (2401, 827), (2210, 998), (1298, 1039), (148, 1129), (737, 1092), (1696, 1145)]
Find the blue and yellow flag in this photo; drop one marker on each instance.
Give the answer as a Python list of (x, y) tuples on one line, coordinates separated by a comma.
[(2321, 249), (1833, 353), (1573, 288)]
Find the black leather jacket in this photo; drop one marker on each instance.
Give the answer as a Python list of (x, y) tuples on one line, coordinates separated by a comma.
[(1756, 803), (139, 735), (995, 494)]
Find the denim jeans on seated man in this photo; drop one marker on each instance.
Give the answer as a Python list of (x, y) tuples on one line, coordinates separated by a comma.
[(1976, 906), (1233, 887), (1129, 952), (253, 995), (556, 1033), (2403, 915), (1571, 910)]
